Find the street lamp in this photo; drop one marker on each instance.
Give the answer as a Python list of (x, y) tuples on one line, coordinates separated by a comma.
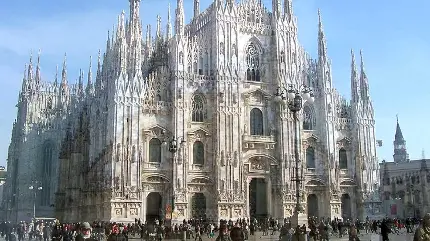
[(294, 99), (35, 187), (173, 147)]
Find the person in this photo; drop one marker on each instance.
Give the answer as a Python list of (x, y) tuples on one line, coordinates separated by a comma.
[(385, 230), (423, 232), (85, 233)]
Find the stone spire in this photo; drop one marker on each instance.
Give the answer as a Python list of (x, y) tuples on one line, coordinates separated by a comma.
[(158, 33), (38, 77), (64, 72), (364, 83), (322, 44), (30, 70), (180, 18), (56, 76), (276, 5), (24, 81), (196, 8), (355, 84), (400, 152), (81, 82), (169, 24), (288, 10)]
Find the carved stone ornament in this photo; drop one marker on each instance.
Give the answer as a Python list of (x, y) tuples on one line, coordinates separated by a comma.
[(258, 164)]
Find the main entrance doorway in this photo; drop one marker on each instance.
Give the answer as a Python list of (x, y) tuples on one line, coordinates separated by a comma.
[(154, 205), (346, 206), (312, 205), (258, 198), (198, 206)]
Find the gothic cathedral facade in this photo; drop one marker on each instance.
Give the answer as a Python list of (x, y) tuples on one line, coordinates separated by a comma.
[(186, 125)]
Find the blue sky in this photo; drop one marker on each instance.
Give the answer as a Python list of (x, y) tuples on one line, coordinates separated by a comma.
[(394, 37)]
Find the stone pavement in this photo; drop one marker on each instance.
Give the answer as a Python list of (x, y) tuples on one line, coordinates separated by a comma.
[(363, 237)]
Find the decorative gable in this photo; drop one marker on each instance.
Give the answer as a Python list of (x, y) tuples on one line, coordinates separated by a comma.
[(256, 96), (344, 143), (157, 130)]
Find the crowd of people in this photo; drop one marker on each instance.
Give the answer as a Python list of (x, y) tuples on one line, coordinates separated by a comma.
[(225, 230)]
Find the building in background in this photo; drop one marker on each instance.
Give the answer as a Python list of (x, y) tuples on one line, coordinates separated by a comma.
[(3, 201), (405, 183), (190, 122)]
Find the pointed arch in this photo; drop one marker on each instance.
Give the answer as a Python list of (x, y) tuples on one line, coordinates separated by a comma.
[(198, 108), (253, 58)]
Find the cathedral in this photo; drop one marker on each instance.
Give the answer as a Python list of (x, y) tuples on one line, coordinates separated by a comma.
[(188, 125)]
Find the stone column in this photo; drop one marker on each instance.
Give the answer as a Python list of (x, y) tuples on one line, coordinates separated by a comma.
[(269, 196)]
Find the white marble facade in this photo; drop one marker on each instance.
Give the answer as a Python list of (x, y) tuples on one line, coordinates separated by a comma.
[(102, 149)]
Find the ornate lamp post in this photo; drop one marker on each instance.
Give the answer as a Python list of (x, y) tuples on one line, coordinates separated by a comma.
[(173, 148), (294, 99), (35, 187)]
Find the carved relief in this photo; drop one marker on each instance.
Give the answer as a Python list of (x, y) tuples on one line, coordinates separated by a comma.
[(238, 213), (258, 164), (223, 212), (118, 212), (133, 211)]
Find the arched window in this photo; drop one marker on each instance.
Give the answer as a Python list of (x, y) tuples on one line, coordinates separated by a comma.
[(308, 118), (199, 111), (198, 153), (155, 150), (252, 63), (310, 157), (256, 119), (45, 193), (343, 159)]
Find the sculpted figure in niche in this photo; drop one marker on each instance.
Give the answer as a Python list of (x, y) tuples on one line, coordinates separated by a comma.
[(118, 152), (140, 154), (134, 155)]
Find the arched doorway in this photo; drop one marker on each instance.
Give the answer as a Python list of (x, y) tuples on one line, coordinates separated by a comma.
[(312, 204), (346, 206), (258, 198), (153, 206), (198, 206)]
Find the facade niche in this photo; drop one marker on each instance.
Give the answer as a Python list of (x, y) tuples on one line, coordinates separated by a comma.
[(310, 157), (343, 159), (308, 118), (155, 150), (198, 153), (256, 122)]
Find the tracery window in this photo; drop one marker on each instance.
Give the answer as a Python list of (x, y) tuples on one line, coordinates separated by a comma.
[(252, 63), (155, 150), (343, 159), (310, 157), (45, 193), (308, 118), (198, 153), (256, 122), (199, 110)]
